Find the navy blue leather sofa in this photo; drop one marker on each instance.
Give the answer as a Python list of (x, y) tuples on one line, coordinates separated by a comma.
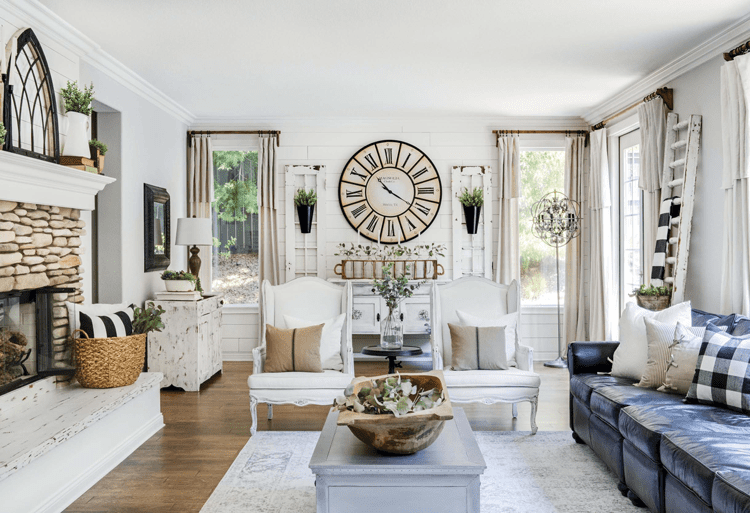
[(670, 456)]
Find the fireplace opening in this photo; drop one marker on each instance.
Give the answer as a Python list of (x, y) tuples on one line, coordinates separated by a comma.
[(27, 350)]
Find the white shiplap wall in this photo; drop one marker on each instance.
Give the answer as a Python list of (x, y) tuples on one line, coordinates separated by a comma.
[(332, 143)]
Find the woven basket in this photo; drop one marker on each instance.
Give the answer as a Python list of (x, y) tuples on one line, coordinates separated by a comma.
[(654, 303), (109, 362)]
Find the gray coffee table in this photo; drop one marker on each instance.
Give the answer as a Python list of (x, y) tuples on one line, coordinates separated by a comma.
[(350, 476)]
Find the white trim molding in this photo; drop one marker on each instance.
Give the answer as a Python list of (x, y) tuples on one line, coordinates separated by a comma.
[(735, 34), (28, 180), (47, 22)]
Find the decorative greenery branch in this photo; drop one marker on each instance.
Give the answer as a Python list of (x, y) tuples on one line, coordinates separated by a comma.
[(474, 198), (391, 252), (99, 146), (77, 100), (394, 290), (147, 319), (306, 199), (3, 133)]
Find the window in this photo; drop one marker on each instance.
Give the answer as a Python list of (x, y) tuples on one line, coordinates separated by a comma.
[(631, 216), (235, 225), (541, 173)]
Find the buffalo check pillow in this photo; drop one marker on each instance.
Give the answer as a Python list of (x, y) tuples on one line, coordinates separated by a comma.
[(722, 374)]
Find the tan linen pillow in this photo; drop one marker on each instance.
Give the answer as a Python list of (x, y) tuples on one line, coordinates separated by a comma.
[(477, 348), (296, 350), (684, 358)]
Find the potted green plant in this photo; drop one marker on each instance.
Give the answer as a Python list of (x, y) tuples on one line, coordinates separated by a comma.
[(393, 290), (98, 150), (472, 203), (3, 133), (305, 202), (652, 298), (178, 281), (148, 319), (78, 107)]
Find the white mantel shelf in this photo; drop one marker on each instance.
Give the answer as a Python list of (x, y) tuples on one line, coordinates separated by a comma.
[(29, 180)]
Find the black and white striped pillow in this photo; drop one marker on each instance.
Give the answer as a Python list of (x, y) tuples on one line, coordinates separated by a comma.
[(118, 324)]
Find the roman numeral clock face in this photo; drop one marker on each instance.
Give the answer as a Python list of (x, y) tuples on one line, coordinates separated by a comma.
[(390, 191)]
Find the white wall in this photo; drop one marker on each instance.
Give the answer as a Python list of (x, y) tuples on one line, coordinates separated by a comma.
[(331, 144), (147, 146), (698, 92)]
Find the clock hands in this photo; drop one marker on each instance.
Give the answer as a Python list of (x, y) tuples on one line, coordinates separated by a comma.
[(391, 192)]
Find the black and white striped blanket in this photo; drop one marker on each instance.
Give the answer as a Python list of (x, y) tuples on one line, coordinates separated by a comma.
[(669, 210)]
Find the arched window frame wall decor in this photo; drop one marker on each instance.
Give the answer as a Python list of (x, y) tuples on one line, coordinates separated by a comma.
[(34, 105)]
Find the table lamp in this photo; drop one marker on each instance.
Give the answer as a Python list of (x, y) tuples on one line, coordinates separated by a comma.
[(193, 231)]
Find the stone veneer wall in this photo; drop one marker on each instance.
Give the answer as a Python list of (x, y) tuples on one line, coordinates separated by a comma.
[(40, 247)]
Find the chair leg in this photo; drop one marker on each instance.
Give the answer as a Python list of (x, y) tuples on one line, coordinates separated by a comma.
[(515, 410), (534, 427), (253, 415), (270, 411)]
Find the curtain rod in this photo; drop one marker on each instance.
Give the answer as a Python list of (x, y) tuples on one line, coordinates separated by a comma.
[(277, 133), (498, 133), (736, 52), (665, 93)]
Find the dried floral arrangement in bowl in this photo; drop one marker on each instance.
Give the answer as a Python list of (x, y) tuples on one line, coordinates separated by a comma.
[(396, 413)]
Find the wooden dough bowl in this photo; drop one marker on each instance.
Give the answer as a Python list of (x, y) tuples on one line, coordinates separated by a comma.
[(407, 434)]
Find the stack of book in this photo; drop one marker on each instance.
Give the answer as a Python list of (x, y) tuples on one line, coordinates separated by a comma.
[(193, 295), (82, 163)]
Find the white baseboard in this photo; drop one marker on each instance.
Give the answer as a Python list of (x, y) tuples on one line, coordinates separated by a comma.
[(237, 357)]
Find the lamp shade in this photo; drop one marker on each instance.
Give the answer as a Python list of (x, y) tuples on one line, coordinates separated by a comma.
[(193, 231)]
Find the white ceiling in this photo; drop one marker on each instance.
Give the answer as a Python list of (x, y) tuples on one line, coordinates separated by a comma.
[(274, 59)]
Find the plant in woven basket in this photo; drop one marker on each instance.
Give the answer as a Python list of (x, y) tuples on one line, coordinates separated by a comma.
[(147, 319), (643, 290)]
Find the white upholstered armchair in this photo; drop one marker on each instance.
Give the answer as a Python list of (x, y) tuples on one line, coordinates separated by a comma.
[(485, 299), (309, 299)]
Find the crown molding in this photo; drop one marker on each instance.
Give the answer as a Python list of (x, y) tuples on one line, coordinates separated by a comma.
[(47, 22), (736, 33)]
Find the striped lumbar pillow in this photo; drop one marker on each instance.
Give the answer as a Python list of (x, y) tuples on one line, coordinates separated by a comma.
[(117, 324)]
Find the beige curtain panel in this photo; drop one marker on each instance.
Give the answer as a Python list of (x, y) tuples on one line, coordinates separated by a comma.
[(652, 119), (268, 258), (602, 300), (508, 265), (574, 313), (200, 184), (735, 97)]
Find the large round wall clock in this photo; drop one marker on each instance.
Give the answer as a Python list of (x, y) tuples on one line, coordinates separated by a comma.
[(390, 192)]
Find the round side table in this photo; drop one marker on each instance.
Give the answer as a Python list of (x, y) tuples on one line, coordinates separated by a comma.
[(392, 354)]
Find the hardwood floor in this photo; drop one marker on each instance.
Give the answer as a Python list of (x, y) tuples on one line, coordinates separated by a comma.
[(177, 469)]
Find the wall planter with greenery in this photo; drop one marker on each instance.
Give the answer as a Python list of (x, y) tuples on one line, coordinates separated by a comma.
[(472, 203), (652, 298), (305, 202), (98, 150), (178, 281), (78, 108)]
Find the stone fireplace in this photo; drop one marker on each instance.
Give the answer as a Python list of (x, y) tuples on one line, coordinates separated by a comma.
[(40, 270)]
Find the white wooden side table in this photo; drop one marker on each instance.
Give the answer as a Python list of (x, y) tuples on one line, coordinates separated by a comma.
[(188, 350)]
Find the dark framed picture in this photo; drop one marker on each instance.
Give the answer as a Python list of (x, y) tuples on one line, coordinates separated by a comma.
[(156, 228)]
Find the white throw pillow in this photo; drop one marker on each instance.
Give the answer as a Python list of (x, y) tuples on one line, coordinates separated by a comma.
[(330, 339), (684, 358), (632, 354), (509, 321), (661, 340), (74, 309)]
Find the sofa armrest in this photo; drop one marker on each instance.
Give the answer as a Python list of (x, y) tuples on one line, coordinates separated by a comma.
[(259, 357), (590, 357), (524, 357)]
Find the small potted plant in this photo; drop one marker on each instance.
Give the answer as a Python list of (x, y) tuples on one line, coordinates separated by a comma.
[(3, 133), (98, 150), (78, 107), (472, 203), (305, 202), (178, 281), (652, 298)]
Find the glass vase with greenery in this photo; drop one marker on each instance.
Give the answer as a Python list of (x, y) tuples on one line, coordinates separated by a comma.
[(393, 291)]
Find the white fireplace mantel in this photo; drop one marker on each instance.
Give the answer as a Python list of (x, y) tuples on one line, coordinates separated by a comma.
[(29, 180)]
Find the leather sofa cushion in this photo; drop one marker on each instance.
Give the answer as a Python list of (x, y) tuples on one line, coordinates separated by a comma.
[(731, 491), (694, 457), (582, 385), (328, 379), (644, 425), (606, 402), (512, 377)]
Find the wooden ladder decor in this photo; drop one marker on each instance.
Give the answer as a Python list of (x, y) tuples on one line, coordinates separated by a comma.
[(679, 175)]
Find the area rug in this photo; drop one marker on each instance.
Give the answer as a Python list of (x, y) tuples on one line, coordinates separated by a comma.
[(544, 473)]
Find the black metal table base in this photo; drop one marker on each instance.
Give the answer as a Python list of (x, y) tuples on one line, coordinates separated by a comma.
[(392, 354)]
